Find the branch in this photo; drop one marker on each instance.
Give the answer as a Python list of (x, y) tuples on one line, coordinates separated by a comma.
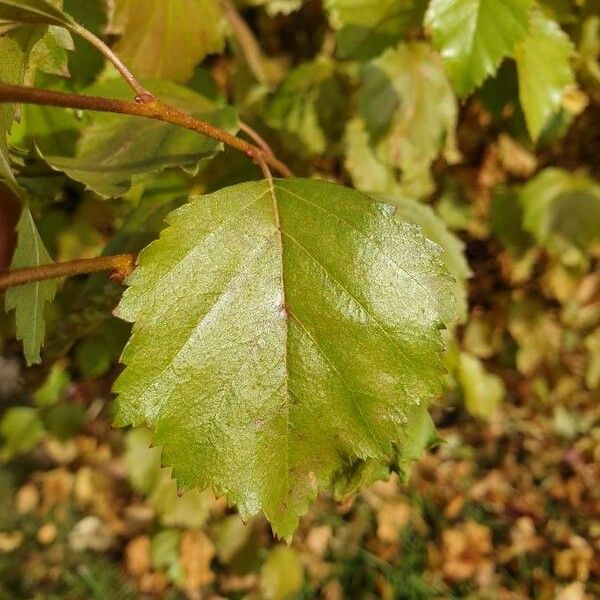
[(121, 264), (141, 107)]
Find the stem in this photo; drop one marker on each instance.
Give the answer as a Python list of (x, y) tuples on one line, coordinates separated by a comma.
[(248, 43), (258, 139), (149, 109), (121, 264), (142, 94)]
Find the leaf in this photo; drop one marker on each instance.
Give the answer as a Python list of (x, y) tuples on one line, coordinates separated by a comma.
[(34, 12), (29, 300), (277, 331), (116, 151), (275, 7), (21, 428), (562, 207), (50, 53), (15, 46), (166, 40), (544, 70), (473, 36), (282, 574), (368, 172), (367, 27), (410, 112), (482, 391), (411, 211), (309, 105)]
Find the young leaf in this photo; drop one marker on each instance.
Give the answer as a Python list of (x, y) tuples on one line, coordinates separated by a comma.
[(544, 69), (167, 39), (410, 111), (29, 300), (34, 12), (473, 36), (116, 151), (367, 27), (436, 230), (281, 329), (559, 205)]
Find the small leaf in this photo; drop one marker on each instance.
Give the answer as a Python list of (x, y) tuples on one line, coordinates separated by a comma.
[(562, 207), (166, 40), (545, 72), (34, 12), (116, 151), (29, 300), (50, 53), (21, 429), (280, 331), (473, 36), (367, 27), (411, 211)]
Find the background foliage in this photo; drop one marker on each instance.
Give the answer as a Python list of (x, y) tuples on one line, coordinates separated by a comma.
[(479, 122)]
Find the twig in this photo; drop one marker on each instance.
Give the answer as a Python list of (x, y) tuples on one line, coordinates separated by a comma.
[(248, 43), (153, 109), (121, 264), (142, 94), (258, 139)]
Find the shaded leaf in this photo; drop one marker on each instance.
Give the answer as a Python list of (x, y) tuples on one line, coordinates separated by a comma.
[(286, 359), (544, 69), (29, 300), (367, 27), (21, 429), (410, 112), (116, 151), (15, 46), (282, 574), (166, 40), (473, 36), (309, 104), (560, 206)]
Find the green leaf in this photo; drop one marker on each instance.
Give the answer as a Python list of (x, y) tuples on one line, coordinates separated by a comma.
[(435, 229), (279, 331), (34, 12), (50, 53), (116, 151), (21, 428), (29, 300), (275, 7), (282, 575), (15, 46), (473, 36), (544, 70), (482, 391), (410, 111), (367, 27), (166, 40), (309, 105), (562, 207)]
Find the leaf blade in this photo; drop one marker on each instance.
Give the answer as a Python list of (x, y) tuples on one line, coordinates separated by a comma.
[(280, 378)]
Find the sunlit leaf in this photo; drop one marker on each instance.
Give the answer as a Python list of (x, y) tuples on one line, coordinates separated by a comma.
[(473, 36), (277, 331)]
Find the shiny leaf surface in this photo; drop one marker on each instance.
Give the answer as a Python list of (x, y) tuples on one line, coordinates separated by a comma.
[(281, 332)]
